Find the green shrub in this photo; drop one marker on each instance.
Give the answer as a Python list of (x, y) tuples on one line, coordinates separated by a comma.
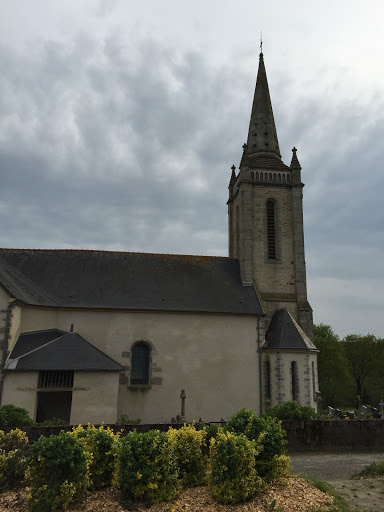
[(212, 429), (146, 468), (233, 476), (58, 473), (292, 411), (191, 458), (278, 468), (13, 458), (12, 416), (53, 422), (124, 420), (99, 444), (274, 443)]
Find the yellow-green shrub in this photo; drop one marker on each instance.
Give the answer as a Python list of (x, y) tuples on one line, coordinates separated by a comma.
[(146, 468), (99, 443), (233, 477), (281, 468), (247, 422), (191, 460), (13, 458), (58, 473)]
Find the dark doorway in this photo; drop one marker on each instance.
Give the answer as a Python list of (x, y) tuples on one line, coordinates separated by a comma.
[(53, 404)]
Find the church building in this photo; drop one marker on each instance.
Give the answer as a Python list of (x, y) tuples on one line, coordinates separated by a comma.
[(88, 336)]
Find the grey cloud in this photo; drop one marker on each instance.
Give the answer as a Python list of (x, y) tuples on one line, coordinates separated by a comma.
[(105, 145)]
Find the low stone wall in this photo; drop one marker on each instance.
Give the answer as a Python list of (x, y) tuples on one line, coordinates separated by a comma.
[(303, 436), (335, 435)]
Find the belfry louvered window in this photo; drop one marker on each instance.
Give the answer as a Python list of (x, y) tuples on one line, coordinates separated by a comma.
[(271, 229), (55, 379), (140, 363)]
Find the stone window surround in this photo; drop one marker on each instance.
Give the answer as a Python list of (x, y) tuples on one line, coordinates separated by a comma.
[(153, 380)]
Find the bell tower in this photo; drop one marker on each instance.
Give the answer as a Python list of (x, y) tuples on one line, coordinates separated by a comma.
[(266, 216)]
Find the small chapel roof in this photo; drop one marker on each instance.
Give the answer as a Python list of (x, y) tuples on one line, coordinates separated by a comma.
[(126, 280), (57, 350), (284, 333)]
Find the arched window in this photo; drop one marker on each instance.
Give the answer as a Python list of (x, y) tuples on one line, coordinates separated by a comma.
[(257, 175), (284, 177), (271, 229), (267, 367), (279, 177), (140, 363), (294, 390), (252, 175)]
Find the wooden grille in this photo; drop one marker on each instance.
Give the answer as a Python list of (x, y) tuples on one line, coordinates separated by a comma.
[(55, 379), (271, 231)]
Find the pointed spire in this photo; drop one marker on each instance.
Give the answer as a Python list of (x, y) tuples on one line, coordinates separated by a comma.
[(233, 175), (262, 135), (295, 164)]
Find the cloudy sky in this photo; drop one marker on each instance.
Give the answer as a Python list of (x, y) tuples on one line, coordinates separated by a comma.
[(120, 120)]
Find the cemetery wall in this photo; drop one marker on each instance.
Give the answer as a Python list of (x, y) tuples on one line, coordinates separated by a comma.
[(303, 436), (335, 435)]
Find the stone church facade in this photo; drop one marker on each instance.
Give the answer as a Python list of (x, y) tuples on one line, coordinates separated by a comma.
[(89, 336)]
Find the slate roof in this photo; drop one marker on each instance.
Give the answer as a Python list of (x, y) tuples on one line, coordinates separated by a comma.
[(284, 333), (125, 280), (32, 340), (262, 149), (44, 350), (263, 161)]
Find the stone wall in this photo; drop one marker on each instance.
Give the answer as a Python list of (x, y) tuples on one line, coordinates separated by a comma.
[(303, 436), (335, 435)]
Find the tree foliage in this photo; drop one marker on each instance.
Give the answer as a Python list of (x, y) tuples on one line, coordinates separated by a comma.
[(349, 367)]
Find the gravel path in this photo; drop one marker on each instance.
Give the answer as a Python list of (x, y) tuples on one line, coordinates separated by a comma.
[(332, 466)]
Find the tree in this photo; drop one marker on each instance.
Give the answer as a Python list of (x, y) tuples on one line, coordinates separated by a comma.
[(334, 378), (365, 358)]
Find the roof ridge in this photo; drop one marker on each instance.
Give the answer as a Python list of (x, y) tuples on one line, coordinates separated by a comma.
[(118, 252)]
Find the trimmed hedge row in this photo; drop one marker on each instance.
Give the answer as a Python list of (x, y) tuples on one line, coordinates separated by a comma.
[(151, 467)]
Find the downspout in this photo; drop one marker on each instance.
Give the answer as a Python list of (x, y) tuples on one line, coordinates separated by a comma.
[(5, 347), (260, 367)]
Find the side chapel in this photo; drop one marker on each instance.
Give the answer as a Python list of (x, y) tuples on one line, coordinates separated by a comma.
[(88, 336)]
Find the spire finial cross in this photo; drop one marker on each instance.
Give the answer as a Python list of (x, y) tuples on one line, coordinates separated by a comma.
[(261, 42)]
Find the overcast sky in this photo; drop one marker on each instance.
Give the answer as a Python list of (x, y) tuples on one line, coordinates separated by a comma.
[(120, 120)]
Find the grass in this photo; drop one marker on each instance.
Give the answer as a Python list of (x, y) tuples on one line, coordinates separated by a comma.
[(371, 471), (339, 504)]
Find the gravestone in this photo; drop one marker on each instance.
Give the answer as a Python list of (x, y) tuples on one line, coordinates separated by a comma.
[(375, 413), (339, 414), (362, 413), (351, 415), (381, 404), (331, 411), (319, 402)]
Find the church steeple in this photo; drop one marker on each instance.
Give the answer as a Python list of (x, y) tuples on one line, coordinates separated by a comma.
[(266, 216), (262, 135)]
